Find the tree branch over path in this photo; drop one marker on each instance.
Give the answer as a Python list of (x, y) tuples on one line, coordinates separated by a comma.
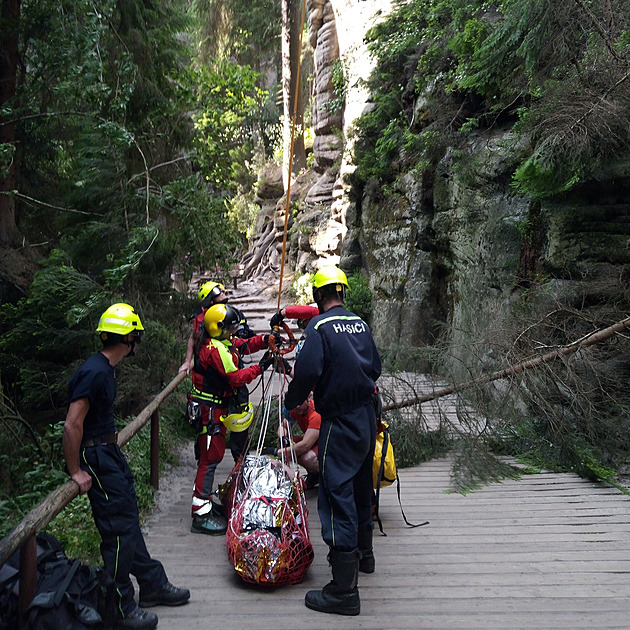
[(589, 340)]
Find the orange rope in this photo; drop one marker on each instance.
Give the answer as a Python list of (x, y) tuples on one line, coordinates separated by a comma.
[(288, 201)]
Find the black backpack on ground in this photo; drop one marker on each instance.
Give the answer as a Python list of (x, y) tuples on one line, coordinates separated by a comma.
[(69, 595)]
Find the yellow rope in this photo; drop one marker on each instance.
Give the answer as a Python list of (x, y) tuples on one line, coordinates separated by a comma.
[(288, 201)]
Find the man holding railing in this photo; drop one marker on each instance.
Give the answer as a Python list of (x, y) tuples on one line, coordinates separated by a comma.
[(96, 463)]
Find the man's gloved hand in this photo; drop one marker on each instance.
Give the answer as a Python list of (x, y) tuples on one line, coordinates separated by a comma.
[(265, 362), (276, 319), (287, 367)]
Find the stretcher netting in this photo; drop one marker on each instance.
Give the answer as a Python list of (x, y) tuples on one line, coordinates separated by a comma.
[(267, 536)]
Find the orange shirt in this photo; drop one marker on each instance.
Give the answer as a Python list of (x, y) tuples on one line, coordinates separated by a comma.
[(308, 420)]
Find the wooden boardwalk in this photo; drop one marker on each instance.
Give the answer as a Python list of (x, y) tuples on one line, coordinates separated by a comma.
[(548, 551)]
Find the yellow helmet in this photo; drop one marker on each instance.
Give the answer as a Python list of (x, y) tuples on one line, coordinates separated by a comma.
[(119, 319), (239, 421), (328, 276), (220, 317), (210, 288)]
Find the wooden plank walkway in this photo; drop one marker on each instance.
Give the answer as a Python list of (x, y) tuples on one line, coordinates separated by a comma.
[(546, 552)]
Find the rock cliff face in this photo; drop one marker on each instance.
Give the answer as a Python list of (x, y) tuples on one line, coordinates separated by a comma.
[(336, 31), (449, 255)]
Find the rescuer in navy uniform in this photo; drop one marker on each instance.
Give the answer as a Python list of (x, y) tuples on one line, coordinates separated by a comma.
[(96, 463), (339, 362)]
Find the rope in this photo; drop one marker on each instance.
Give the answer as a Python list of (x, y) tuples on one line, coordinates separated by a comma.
[(288, 200), (267, 537)]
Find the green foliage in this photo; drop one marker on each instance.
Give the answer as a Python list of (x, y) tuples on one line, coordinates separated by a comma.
[(246, 31), (192, 209), (243, 211), (359, 298), (102, 120), (51, 330), (413, 443), (551, 70), (474, 467), (45, 332), (229, 121), (29, 475), (340, 88)]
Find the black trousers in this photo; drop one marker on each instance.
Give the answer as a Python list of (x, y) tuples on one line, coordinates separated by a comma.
[(346, 451), (115, 510)]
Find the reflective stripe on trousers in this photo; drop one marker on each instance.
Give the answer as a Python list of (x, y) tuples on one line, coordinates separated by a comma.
[(346, 451), (115, 510)]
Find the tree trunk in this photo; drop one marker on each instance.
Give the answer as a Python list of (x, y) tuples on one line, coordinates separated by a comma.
[(589, 340), (9, 37), (293, 109)]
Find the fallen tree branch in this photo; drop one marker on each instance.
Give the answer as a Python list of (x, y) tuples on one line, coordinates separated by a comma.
[(589, 340)]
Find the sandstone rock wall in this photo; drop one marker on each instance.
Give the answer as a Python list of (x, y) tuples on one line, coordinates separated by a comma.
[(453, 259), (336, 33), (449, 256)]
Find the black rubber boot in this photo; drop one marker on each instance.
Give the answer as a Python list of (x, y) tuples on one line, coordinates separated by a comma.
[(341, 596), (367, 563)]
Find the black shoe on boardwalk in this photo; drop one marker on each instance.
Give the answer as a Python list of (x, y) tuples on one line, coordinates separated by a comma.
[(138, 619), (167, 595)]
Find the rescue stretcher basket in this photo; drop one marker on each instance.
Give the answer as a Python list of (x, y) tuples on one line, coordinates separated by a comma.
[(267, 537)]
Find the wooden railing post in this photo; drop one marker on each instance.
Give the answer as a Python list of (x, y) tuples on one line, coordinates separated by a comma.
[(155, 449), (28, 576)]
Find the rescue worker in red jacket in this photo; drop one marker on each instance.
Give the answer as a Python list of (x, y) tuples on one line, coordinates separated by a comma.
[(210, 293), (340, 364), (219, 386)]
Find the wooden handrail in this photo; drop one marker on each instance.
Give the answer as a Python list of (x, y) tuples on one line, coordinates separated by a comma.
[(42, 514)]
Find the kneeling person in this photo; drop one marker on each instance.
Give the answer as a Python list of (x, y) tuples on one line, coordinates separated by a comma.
[(304, 446)]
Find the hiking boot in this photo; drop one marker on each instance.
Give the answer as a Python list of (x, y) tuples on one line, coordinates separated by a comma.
[(367, 562), (218, 510), (312, 480), (166, 595), (341, 595), (138, 619), (209, 524)]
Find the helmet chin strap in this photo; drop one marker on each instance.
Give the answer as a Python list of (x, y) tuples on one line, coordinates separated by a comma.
[(132, 347)]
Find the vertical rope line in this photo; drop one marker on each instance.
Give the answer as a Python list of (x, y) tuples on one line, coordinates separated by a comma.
[(288, 201)]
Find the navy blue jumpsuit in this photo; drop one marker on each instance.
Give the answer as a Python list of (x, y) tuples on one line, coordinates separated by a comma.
[(339, 362), (113, 495)]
